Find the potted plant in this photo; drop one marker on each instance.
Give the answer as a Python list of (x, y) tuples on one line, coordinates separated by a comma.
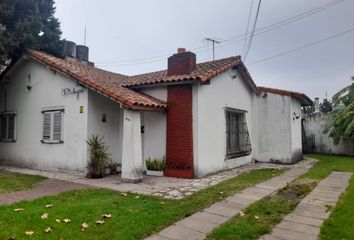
[(115, 167), (155, 167), (99, 156)]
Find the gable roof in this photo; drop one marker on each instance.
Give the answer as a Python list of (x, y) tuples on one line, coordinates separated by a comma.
[(203, 73), (104, 82), (302, 98)]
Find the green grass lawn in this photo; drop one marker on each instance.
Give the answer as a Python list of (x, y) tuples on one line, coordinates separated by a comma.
[(133, 216), (340, 224), (271, 210), (259, 218), (10, 182)]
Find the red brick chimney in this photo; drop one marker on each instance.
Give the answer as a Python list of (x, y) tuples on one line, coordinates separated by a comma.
[(181, 63)]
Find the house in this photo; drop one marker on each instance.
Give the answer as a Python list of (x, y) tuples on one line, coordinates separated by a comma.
[(204, 117)]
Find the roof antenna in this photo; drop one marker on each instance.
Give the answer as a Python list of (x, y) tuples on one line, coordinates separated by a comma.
[(85, 37), (213, 41)]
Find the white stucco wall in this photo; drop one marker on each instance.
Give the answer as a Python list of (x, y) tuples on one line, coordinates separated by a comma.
[(46, 92), (154, 137), (111, 130), (209, 123), (296, 133), (274, 129)]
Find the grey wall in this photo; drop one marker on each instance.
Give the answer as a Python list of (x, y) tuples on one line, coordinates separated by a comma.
[(315, 141)]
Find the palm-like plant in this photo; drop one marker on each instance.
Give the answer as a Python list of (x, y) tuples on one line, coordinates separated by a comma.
[(99, 156)]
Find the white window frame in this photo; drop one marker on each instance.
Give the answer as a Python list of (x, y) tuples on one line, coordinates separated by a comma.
[(51, 138), (6, 116)]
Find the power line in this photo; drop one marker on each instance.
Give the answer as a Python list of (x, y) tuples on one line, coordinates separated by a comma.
[(248, 25), (228, 41), (253, 29), (302, 47)]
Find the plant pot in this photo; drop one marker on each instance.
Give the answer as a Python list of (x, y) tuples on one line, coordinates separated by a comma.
[(154, 173), (107, 171)]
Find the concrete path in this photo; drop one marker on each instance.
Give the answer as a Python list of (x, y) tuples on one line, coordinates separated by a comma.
[(44, 188), (305, 221), (198, 225)]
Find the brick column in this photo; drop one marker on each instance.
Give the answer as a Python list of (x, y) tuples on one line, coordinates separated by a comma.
[(179, 144)]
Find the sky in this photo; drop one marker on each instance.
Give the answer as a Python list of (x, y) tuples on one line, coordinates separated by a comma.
[(313, 52)]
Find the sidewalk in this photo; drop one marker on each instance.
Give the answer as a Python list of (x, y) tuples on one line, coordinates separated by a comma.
[(46, 187), (305, 221), (198, 225)]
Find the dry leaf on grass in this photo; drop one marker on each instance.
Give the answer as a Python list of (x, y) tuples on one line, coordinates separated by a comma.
[(256, 217), (98, 222), (29, 233), (18, 209), (124, 194), (48, 230), (84, 226), (106, 215), (58, 220), (12, 238), (137, 197), (66, 220), (44, 216), (49, 205), (242, 214), (162, 203)]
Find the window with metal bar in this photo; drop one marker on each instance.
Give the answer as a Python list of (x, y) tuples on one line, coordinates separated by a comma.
[(237, 136), (8, 127)]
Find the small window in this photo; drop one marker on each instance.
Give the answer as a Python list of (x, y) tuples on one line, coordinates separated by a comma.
[(53, 126), (8, 127), (237, 137)]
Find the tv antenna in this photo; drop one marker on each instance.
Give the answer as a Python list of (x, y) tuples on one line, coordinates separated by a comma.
[(213, 42)]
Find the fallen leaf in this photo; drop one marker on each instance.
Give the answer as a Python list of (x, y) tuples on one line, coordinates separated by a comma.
[(44, 216), (221, 192), (18, 209), (66, 220), (84, 225), (76, 193), (106, 215), (131, 210), (256, 217), (29, 233), (99, 222), (48, 230), (242, 214), (124, 194), (162, 203), (137, 197), (58, 220), (12, 238), (49, 205)]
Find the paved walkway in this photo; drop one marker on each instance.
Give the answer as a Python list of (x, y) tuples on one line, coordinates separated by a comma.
[(305, 221), (198, 225), (166, 187), (44, 188)]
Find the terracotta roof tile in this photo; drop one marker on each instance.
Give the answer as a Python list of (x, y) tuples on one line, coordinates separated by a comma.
[(107, 83)]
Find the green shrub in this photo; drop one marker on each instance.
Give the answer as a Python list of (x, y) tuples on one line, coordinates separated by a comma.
[(155, 165)]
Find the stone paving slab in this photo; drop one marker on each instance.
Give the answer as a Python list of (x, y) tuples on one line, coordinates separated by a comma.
[(166, 187), (198, 225), (305, 221), (47, 187)]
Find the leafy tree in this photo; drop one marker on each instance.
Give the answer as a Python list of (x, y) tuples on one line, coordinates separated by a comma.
[(28, 24), (326, 106), (341, 124)]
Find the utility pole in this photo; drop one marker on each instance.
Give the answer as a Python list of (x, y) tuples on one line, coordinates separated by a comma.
[(213, 41)]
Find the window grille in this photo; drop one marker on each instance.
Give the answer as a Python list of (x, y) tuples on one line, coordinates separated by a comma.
[(8, 127), (52, 126), (237, 136)]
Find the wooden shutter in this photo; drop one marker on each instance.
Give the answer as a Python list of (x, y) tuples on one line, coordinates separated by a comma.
[(57, 126), (11, 127), (3, 126), (46, 125)]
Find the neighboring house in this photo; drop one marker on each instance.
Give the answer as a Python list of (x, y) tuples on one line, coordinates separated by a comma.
[(203, 117)]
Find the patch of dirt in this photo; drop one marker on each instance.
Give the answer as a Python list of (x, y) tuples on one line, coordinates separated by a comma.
[(298, 189)]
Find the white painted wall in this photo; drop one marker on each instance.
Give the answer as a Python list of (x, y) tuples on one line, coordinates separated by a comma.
[(296, 133), (46, 92), (111, 130), (209, 123), (154, 138), (274, 130)]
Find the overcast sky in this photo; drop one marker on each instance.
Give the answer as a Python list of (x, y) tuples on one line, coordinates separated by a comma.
[(137, 36)]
